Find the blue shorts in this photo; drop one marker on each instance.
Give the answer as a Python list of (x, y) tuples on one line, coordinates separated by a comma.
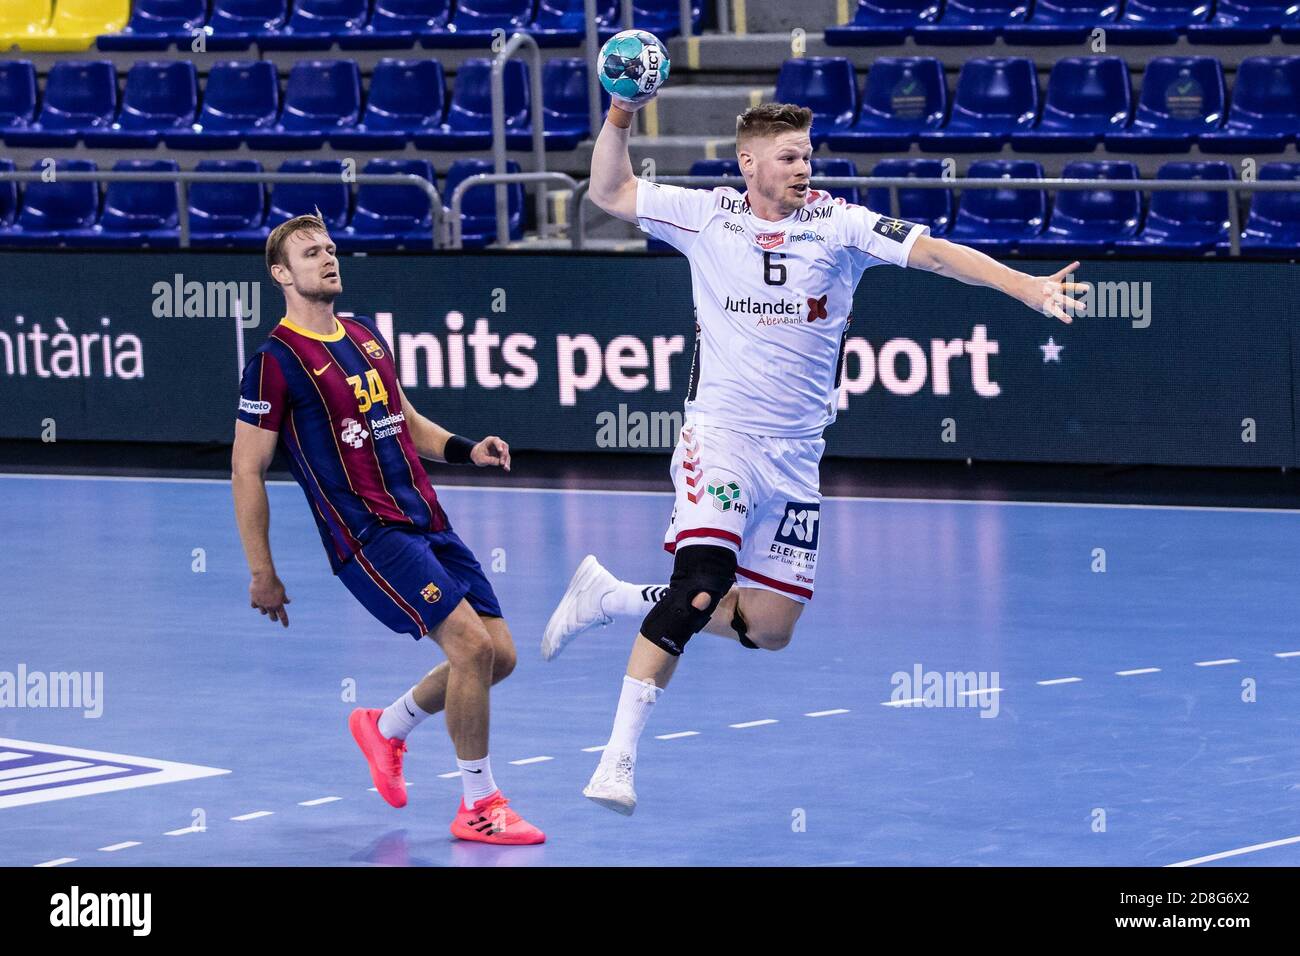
[(412, 580)]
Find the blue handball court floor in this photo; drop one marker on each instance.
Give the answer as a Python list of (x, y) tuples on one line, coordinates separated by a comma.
[(1092, 685)]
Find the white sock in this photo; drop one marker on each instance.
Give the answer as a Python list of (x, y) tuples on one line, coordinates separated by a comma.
[(476, 778), (635, 702), (627, 600), (401, 716)]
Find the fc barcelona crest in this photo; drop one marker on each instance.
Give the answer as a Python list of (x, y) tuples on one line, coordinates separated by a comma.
[(431, 593), (373, 349)]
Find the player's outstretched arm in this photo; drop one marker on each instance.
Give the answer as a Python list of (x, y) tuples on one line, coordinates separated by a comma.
[(1050, 295), (431, 439), (252, 454), (613, 185)]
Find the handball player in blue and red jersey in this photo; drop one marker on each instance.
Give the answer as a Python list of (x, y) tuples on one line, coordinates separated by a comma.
[(327, 387)]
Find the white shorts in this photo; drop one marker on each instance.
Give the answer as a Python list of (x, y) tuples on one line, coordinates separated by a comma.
[(755, 494)]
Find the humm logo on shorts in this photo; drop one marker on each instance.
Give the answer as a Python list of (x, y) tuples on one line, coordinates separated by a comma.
[(799, 528)]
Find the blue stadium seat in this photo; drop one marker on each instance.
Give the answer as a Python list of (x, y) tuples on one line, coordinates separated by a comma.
[(299, 199), (391, 217), (1062, 21), (1192, 222), (478, 210), (566, 121), (828, 85), (406, 97), (318, 24), (80, 95), (1243, 21), (139, 214), (399, 24), (883, 22), (240, 96), (473, 21), (902, 97), (322, 97), (8, 198), (1265, 112), (1088, 222), (157, 24), (930, 207), (1182, 98), (469, 117), (998, 220), (837, 167), (1087, 97), (17, 95), (228, 215), (995, 98), (1273, 226), (972, 21), (58, 212), (562, 23), (159, 96), (238, 24), (663, 18), (1157, 21)]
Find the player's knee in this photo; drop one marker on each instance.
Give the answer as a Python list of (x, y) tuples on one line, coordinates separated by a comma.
[(702, 574), (760, 634), (772, 638), (503, 661), (470, 646)]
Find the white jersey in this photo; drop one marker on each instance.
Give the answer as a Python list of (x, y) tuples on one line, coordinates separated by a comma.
[(772, 300)]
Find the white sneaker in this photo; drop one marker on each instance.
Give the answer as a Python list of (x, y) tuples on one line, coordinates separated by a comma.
[(611, 784), (580, 608)]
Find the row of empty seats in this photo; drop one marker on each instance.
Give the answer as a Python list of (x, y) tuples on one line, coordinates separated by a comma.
[(240, 215), (1087, 222), (240, 102), (1184, 100), (313, 24), (888, 22)]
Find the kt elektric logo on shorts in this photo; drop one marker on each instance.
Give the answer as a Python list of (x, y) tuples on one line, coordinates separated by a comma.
[(725, 495), (799, 526)]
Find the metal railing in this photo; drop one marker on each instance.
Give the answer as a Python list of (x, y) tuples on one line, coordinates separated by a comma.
[(501, 180), (183, 178), (578, 232), (499, 127)]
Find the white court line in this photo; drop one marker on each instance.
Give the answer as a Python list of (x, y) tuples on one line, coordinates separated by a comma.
[(252, 816), (1226, 660), (680, 733), (592, 750), (119, 846), (875, 499), (447, 776), (1139, 670), (1245, 849), (979, 693), (42, 768), (520, 763), (827, 713), (752, 723), (318, 801), (59, 862), (12, 755), (36, 781), (902, 703), (184, 830), (1288, 654), (1059, 680)]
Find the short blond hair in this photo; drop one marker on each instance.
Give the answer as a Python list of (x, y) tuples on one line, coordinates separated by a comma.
[(772, 119), (278, 240)]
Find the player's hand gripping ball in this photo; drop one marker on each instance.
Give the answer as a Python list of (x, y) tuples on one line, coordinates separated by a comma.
[(633, 65)]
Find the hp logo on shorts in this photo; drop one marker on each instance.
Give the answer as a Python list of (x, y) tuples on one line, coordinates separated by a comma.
[(799, 527)]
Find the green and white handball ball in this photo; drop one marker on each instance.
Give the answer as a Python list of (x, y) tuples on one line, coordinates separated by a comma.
[(633, 65)]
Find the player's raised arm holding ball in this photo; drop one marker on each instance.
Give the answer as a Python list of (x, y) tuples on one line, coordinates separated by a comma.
[(774, 271)]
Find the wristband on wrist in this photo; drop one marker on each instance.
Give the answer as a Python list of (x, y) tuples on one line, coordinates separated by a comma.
[(457, 450), (620, 117)]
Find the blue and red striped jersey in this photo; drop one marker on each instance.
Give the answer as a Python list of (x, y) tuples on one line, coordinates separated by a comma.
[(335, 402)]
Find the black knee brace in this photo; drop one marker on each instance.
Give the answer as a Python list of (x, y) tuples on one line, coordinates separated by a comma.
[(706, 568), (742, 629)]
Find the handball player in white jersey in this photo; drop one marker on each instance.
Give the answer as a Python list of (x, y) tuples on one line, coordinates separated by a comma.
[(773, 270)]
